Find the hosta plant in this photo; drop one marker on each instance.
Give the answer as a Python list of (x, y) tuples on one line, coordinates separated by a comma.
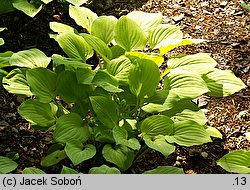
[(126, 105)]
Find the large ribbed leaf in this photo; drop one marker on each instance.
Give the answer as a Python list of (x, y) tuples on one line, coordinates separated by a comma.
[(129, 35), (157, 125), (121, 137), (163, 33), (213, 132), (185, 84), (15, 82), (169, 44), (199, 63), (60, 27), (70, 64), (161, 101), (129, 98), (103, 134), (29, 58), (103, 169), (223, 83), (186, 110), (120, 155), (29, 9), (103, 28), (82, 16), (106, 81), (119, 68), (145, 20), (71, 127), (160, 144), (53, 158), (77, 152), (7, 165), (106, 110), (143, 77), (4, 58), (41, 114), (237, 161), (167, 37), (42, 83), (165, 170), (32, 170), (74, 46), (98, 45), (158, 59), (69, 89), (117, 51), (85, 76), (188, 133)]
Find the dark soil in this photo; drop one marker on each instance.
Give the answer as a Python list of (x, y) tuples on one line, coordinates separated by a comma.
[(223, 25)]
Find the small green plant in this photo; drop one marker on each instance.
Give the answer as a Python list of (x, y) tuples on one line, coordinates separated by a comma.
[(112, 114), (31, 7)]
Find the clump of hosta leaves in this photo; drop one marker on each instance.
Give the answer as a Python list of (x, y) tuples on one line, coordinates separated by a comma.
[(112, 113)]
